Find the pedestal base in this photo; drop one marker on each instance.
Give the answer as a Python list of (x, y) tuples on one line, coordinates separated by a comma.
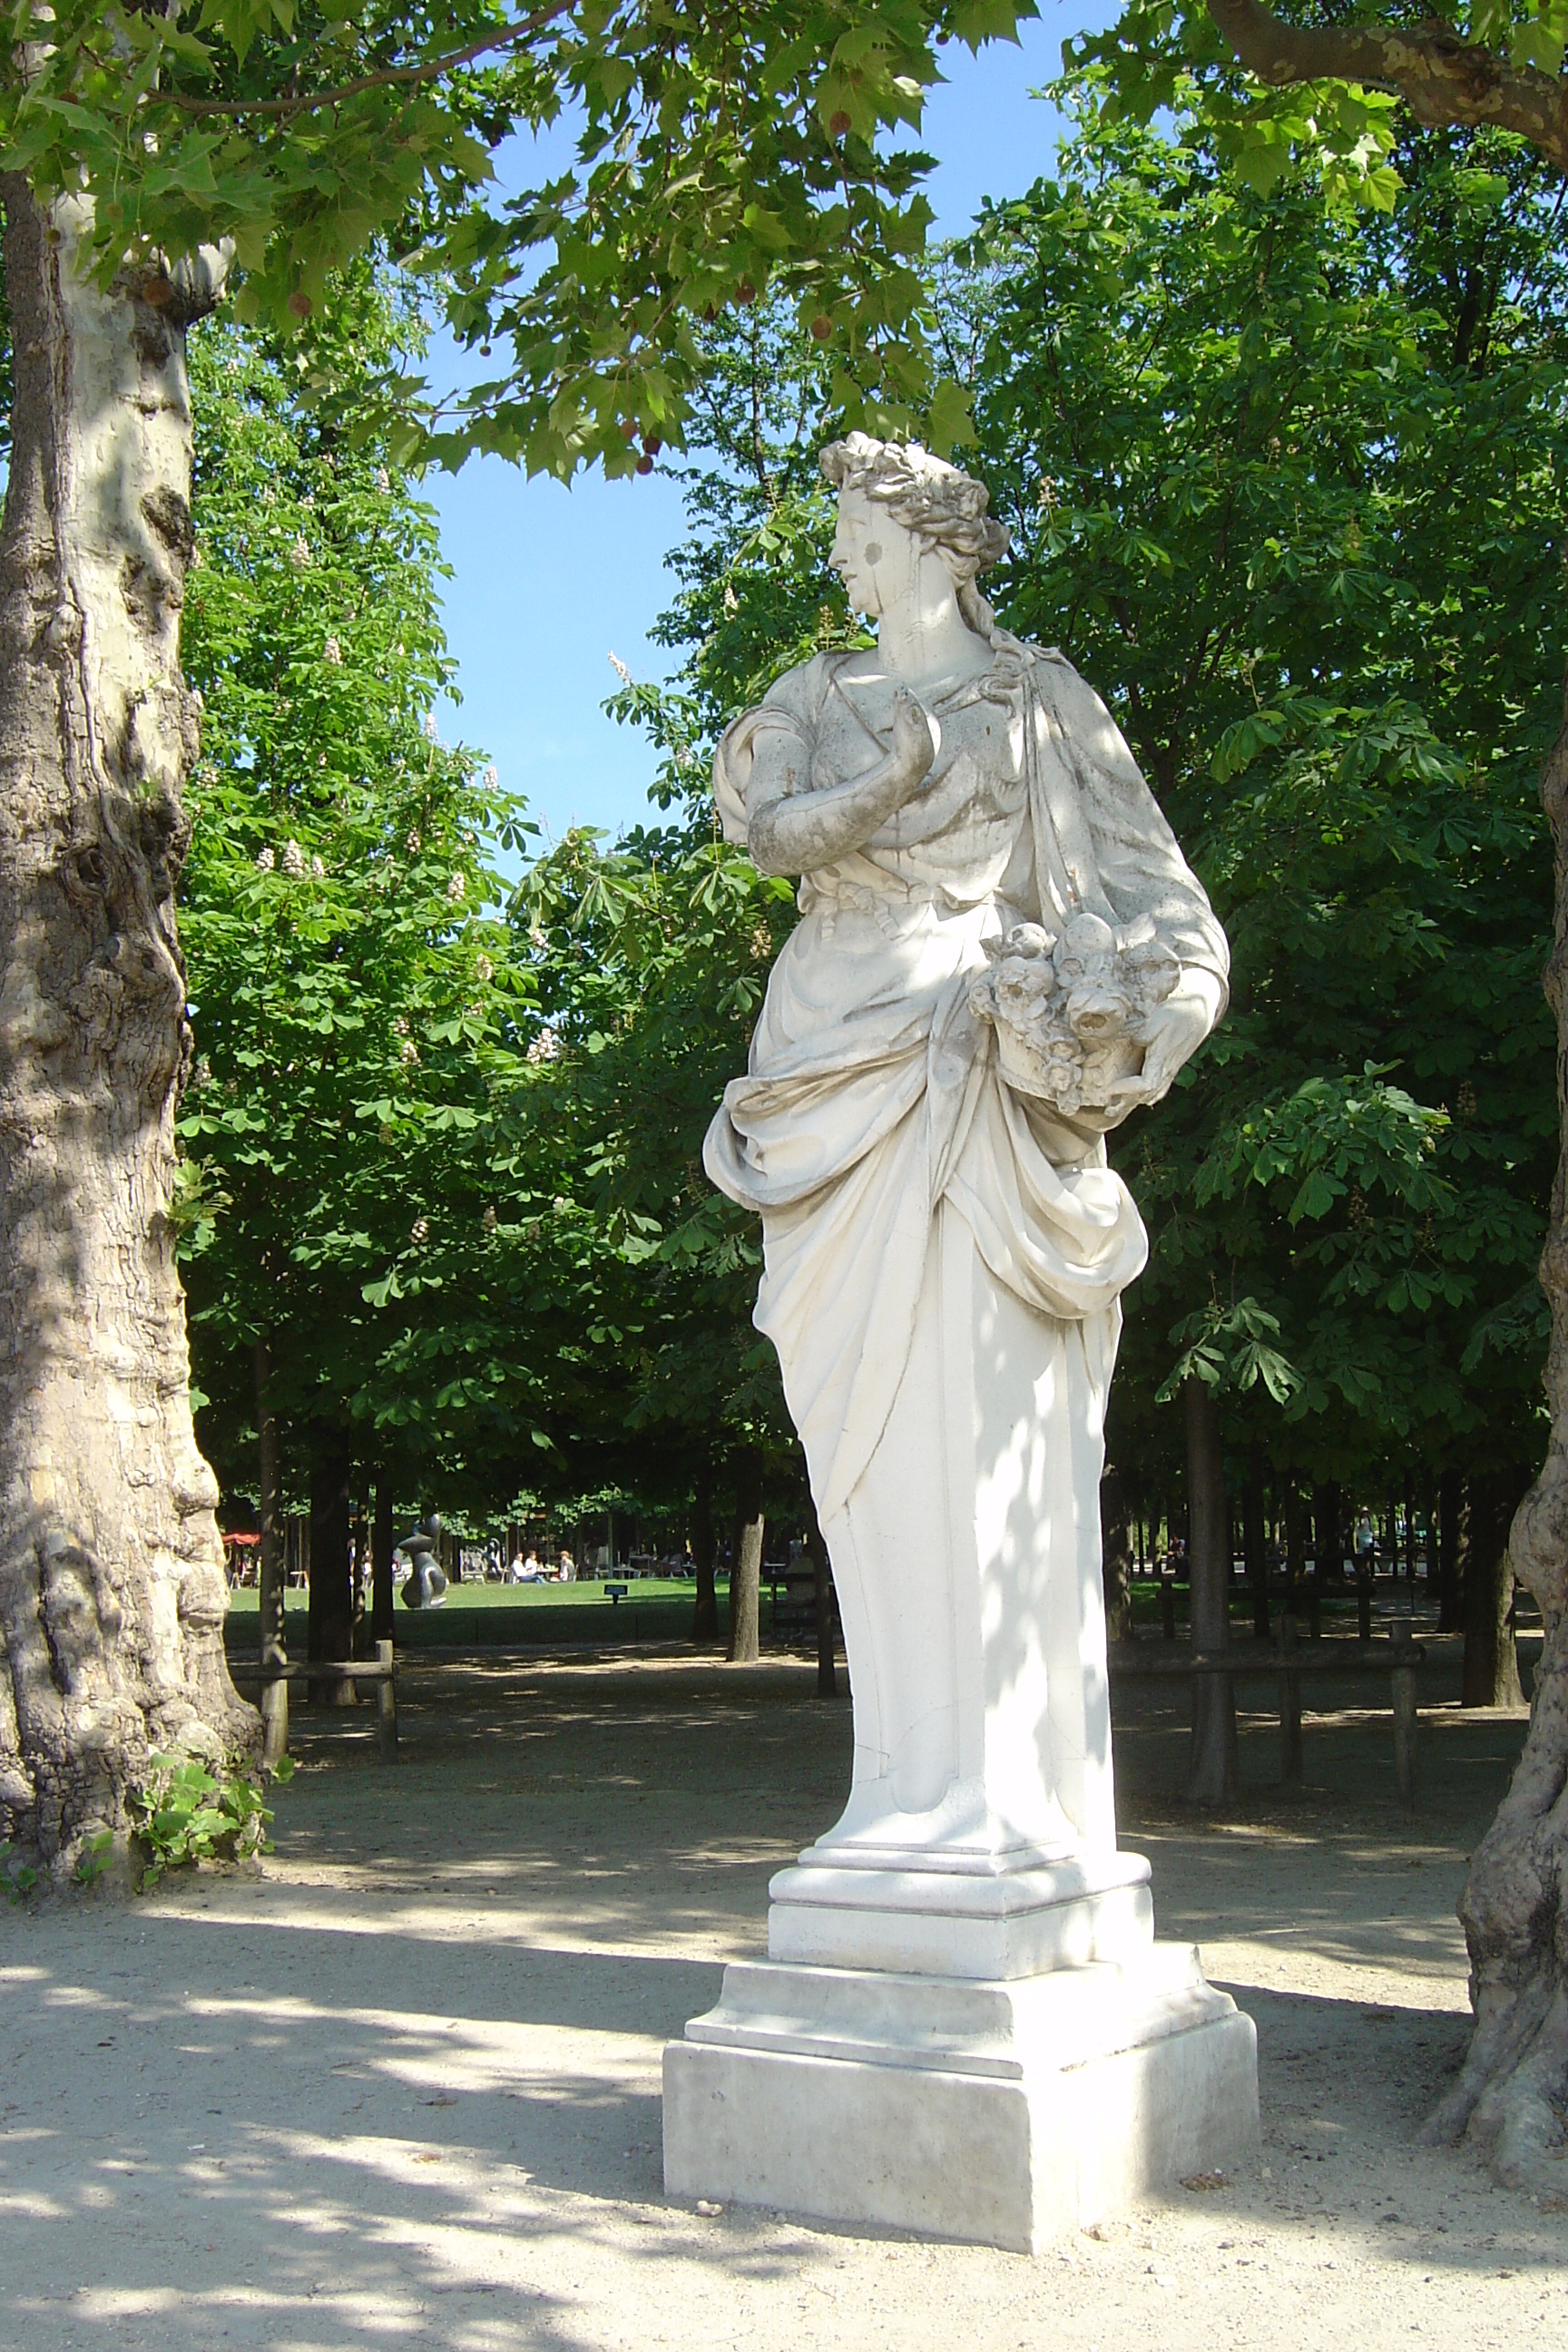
[(933, 1916), (1001, 2112)]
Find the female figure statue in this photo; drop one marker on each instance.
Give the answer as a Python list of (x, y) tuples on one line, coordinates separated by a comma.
[(1001, 952)]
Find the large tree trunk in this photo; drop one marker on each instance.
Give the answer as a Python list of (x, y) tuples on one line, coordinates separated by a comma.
[(1214, 1775), (1491, 1654), (111, 1583), (746, 1559), (1512, 2092)]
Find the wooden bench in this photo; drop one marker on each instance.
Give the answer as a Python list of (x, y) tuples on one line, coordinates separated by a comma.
[(1398, 1658)]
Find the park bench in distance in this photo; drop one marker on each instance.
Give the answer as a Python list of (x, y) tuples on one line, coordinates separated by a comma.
[(381, 1670), (1398, 1657)]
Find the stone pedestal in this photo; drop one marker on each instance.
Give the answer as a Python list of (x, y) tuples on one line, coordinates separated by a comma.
[(997, 2055)]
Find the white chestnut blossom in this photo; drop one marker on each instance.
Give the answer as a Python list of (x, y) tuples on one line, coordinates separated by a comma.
[(265, 860), (456, 887), (545, 1047), (420, 1230), (485, 970), (293, 857), (492, 777), (430, 727), (489, 1221), (318, 869), (409, 1053), (334, 653), (300, 553), (415, 844), (382, 479)]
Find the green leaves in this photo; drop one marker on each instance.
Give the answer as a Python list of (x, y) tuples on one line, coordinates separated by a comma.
[(185, 1812), (1331, 1134), (362, 1018), (1284, 482), (720, 155), (18, 1877), (975, 22), (1231, 1349)]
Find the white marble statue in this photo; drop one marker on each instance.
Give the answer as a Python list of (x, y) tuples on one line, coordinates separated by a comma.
[(965, 2023), (1002, 951)]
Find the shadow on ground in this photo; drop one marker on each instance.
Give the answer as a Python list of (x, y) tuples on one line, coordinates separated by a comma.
[(404, 2089)]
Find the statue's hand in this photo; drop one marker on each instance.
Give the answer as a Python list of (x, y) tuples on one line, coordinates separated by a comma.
[(1175, 1030), (916, 738)]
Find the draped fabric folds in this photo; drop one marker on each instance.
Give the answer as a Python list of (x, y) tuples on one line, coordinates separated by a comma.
[(872, 1093)]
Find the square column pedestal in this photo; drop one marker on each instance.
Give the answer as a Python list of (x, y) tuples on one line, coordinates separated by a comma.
[(998, 2057)]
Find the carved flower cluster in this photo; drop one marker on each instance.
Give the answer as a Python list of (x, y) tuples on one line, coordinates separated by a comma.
[(1071, 1013)]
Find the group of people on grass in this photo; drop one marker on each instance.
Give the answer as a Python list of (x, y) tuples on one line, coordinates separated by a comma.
[(527, 1567)]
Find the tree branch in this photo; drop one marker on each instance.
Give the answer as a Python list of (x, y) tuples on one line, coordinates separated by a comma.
[(391, 77), (1442, 77)]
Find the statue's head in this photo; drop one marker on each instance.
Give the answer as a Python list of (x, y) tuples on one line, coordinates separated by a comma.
[(898, 505)]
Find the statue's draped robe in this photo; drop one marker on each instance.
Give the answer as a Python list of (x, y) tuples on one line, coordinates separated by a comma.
[(943, 1256)]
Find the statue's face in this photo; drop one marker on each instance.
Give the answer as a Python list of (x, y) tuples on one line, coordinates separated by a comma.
[(877, 559)]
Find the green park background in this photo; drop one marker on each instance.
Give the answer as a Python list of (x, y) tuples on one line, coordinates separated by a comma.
[(1284, 477)]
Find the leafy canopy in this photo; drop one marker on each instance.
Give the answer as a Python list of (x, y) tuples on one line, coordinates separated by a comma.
[(1332, 86), (1284, 481), (720, 152), (352, 1187)]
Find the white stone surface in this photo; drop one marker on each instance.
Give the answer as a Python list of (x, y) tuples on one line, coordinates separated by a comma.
[(1006, 2114), (945, 1246), (1001, 1925), (965, 2025)]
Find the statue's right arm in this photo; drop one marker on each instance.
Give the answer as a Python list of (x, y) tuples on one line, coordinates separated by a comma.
[(794, 828)]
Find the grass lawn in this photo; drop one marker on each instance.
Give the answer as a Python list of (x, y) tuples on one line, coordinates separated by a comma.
[(659, 1608), (656, 1609), (465, 1596)]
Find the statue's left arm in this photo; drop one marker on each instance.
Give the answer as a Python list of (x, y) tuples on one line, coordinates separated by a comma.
[(1141, 871)]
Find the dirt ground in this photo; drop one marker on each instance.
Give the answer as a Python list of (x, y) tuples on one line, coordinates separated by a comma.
[(402, 2090)]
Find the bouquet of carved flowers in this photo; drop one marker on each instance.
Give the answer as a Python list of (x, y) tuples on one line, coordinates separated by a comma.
[(1071, 1013)]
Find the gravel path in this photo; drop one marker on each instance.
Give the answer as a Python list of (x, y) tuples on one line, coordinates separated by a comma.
[(402, 2090)]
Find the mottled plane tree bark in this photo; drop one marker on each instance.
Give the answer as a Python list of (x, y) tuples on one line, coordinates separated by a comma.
[(111, 1583), (1508, 2098)]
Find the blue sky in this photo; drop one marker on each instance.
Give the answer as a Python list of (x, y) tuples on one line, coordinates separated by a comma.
[(548, 582)]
